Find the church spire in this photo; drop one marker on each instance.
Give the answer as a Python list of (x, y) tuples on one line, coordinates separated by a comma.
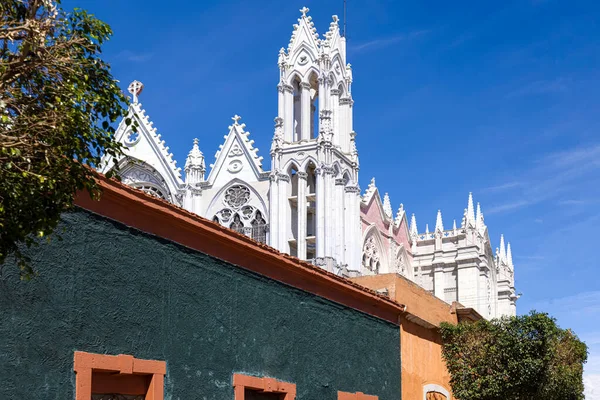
[(509, 259), (502, 249)]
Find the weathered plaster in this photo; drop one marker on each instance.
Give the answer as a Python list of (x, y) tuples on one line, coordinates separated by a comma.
[(110, 289)]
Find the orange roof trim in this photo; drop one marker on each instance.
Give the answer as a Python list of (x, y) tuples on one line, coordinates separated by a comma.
[(138, 210)]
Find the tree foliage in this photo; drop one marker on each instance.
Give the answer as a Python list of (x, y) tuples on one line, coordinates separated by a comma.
[(57, 101), (514, 358)]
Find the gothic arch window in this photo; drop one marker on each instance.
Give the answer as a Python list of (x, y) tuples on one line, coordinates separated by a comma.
[(314, 104), (297, 109), (241, 214), (371, 259), (237, 224), (402, 263), (259, 228), (151, 190)]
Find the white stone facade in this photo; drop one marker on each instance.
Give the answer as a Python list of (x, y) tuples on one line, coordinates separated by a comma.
[(309, 204)]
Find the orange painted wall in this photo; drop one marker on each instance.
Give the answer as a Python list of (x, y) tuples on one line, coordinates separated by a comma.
[(421, 360), (420, 342)]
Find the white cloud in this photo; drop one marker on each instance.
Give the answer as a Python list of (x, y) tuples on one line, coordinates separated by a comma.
[(507, 207), (387, 41), (557, 85), (550, 177), (582, 303), (131, 56)]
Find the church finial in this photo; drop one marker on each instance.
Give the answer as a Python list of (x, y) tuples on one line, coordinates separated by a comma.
[(427, 229), (509, 259), (454, 228), (502, 249), (304, 10), (439, 224), (236, 119), (135, 88)]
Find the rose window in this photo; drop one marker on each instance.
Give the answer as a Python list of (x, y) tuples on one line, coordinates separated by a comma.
[(236, 196)]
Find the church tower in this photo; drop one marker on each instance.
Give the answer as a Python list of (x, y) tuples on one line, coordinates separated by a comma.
[(314, 195)]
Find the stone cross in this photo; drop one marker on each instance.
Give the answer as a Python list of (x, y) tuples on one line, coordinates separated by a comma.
[(135, 88), (304, 10), (236, 118)]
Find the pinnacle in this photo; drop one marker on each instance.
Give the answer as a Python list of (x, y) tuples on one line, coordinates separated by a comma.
[(470, 210), (439, 224), (413, 226)]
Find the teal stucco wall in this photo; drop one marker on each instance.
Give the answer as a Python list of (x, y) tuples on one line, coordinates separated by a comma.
[(106, 288)]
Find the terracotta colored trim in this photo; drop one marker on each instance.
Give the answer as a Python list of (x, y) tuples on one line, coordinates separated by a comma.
[(155, 216), (269, 385), (85, 364), (355, 396)]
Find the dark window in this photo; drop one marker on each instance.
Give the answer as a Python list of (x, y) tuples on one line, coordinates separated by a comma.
[(250, 394)]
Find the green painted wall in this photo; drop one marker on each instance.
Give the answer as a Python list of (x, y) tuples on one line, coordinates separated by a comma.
[(106, 288)]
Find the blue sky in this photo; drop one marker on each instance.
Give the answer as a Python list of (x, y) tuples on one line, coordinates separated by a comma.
[(497, 98)]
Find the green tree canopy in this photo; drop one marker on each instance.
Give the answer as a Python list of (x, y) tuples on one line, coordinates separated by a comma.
[(57, 101), (514, 358)]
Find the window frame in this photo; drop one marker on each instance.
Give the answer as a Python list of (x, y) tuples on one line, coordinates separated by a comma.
[(242, 382), (84, 365), (356, 396)]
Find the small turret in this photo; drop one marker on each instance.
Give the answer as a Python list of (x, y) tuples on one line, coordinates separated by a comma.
[(194, 165)]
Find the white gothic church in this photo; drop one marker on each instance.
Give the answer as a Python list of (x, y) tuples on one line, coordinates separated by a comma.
[(309, 204)]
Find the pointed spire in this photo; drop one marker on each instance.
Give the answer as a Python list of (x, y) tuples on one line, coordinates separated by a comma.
[(480, 222), (427, 229), (502, 249), (305, 26), (439, 224), (509, 259), (414, 232), (387, 206), (454, 228), (470, 211)]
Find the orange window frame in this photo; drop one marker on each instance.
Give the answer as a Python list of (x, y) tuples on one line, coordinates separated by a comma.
[(269, 385), (85, 364), (356, 396)]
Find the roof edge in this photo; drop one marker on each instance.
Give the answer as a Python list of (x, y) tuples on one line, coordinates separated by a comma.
[(141, 211)]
